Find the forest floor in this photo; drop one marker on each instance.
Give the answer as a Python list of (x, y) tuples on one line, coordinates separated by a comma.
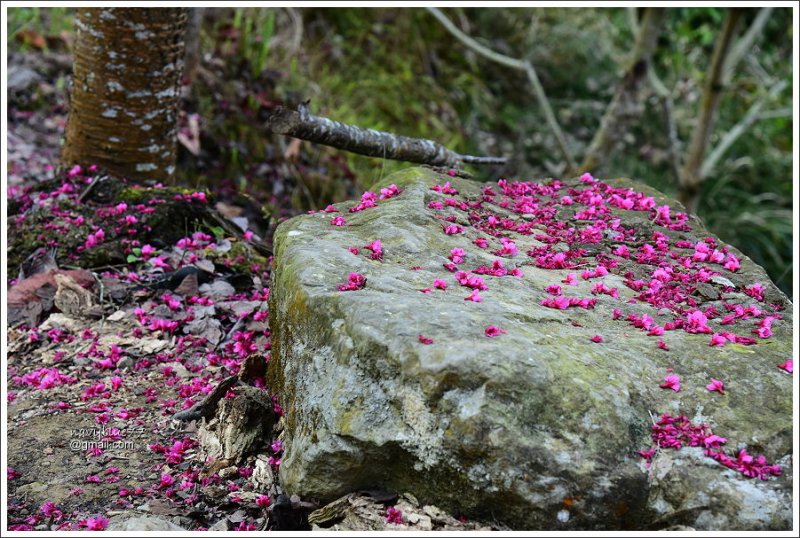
[(115, 325)]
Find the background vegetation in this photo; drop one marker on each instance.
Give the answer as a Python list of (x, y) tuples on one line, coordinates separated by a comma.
[(399, 70)]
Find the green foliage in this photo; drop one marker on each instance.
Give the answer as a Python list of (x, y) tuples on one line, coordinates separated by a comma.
[(25, 24), (399, 70), (256, 28)]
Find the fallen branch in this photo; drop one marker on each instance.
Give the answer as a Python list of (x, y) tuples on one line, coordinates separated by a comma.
[(301, 124), (514, 63)]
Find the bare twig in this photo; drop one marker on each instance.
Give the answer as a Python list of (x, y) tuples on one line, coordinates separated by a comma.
[(301, 124), (785, 112), (520, 65), (753, 115), (690, 176), (745, 43)]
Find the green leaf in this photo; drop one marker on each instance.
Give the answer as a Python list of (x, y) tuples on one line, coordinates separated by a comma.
[(218, 231)]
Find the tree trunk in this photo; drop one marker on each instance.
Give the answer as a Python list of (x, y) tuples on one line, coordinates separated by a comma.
[(627, 91), (689, 189), (125, 91)]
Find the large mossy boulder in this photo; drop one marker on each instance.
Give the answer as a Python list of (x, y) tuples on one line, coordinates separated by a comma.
[(609, 301)]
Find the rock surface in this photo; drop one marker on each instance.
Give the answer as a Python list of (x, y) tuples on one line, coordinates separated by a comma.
[(538, 427), (138, 523)]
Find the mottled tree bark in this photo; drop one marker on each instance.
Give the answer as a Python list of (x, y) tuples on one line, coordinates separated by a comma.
[(627, 91), (125, 90), (691, 179)]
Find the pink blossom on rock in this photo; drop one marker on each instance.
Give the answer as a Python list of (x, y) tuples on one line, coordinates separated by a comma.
[(509, 248), (553, 289), (597, 339), (426, 290), (672, 382), (561, 302), (424, 340), (376, 248), (452, 229), (475, 297), (440, 284), (697, 322), (756, 291), (787, 366), (731, 263), (492, 331), (716, 386), (457, 255), (663, 215), (367, 201), (763, 332), (622, 251), (390, 192), (714, 441), (355, 281), (338, 221), (263, 501), (662, 344), (718, 340), (445, 189)]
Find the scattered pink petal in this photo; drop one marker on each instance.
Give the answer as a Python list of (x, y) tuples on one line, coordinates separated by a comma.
[(492, 331), (425, 340), (716, 386), (671, 382), (597, 339), (96, 523), (355, 281), (475, 297), (393, 515), (788, 366)]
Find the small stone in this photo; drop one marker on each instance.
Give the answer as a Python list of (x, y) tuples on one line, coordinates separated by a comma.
[(228, 472)]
